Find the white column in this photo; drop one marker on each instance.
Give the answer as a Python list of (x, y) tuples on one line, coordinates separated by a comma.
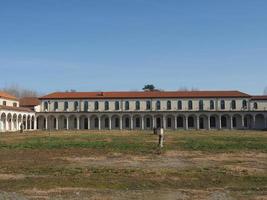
[(89, 123), (242, 121), (175, 122), (121, 122), (110, 123), (26, 124), (17, 124), (186, 122), (35, 123), (153, 122), (132, 123), (220, 122), (12, 124), (208, 122), (56, 123), (78, 123), (99, 123), (46, 123), (231, 122), (67, 124), (142, 123), (164, 121), (197, 122)]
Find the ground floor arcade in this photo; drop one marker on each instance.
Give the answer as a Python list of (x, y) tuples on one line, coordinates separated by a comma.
[(100, 121), (17, 120)]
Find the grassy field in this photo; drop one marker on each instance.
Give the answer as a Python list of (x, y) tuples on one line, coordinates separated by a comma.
[(128, 165)]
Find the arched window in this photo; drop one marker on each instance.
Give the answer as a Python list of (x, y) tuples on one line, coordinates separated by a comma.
[(66, 105), (169, 105), (117, 105), (46, 105), (127, 105), (244, 104), (179, 105), (55, 106), (86, 106), (190, 105), (222, 104), (233, 104), (137, 105), (96, 105), (212, 106), (158, 105), (201, 105), (255, 105), (76, 105), (106, 105), (148, 105)]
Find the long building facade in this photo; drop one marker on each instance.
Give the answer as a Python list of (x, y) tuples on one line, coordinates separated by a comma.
[(152, 109), (144, 110)]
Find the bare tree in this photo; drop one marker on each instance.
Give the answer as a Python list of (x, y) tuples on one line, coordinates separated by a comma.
[(20, 92)]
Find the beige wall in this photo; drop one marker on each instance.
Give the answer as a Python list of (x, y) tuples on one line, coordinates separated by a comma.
[(8, 102)]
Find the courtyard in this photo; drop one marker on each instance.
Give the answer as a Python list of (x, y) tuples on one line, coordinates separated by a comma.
[(128, 165)]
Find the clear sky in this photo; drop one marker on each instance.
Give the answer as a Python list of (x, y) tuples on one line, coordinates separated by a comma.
[(92, 45)]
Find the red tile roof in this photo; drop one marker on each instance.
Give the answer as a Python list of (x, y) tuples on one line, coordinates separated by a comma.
[(29, 102), (263, 97), (5, 95), (145, 94), (15, 109)]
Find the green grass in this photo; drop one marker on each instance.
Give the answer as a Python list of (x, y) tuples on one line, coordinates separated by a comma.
[(144, 143), (223, 143)]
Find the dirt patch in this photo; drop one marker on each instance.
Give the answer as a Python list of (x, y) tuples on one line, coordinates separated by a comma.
[(11, 176), (89, 193)]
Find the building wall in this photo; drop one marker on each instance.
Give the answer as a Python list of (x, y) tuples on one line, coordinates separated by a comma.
[(8, 102), (262, 105)]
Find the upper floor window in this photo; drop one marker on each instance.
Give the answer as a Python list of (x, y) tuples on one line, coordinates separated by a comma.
[(158, 105), (117, 105), (255, 106), (201, 105), (66, 105), (96, 105), (179, 105), (127, 105), (137, 105), (76, 105), (244, 104), (86, 106), (222, 104), (148, 105), (212, 106), (15, 104), (46, 105), (233, 104), (55, 105), (4, 103), (169, 105), (190, 105), (106, 105)]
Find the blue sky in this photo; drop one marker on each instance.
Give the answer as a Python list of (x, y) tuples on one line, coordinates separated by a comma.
[(53, 45)]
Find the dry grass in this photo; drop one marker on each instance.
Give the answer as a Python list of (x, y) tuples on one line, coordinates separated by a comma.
[(126, 165)]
